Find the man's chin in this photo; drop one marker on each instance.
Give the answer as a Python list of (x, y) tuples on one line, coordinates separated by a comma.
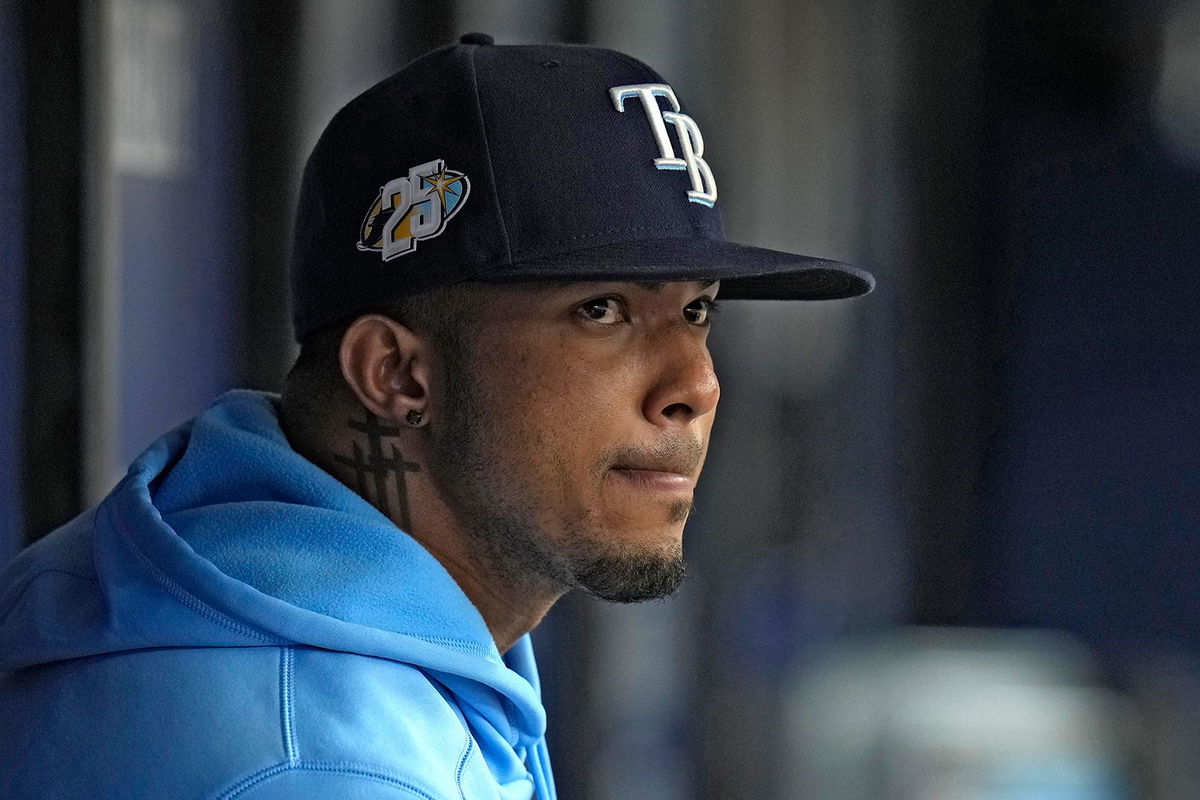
[(631, 577)]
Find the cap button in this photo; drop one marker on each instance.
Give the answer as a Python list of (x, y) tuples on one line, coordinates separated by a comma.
[(476, 38)]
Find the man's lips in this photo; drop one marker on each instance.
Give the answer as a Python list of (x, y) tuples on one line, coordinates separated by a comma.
[(656, 480), (671, 465)]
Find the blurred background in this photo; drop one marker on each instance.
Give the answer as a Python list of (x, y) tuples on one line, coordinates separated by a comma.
[(945, 546)]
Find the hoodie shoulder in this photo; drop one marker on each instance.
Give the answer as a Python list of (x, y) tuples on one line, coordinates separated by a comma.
[(65, 551), (54, 576)]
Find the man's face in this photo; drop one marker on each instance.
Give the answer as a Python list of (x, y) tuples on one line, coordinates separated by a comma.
[(574, 422)]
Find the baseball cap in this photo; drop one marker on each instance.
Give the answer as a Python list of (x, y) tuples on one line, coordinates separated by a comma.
[(507, 163)]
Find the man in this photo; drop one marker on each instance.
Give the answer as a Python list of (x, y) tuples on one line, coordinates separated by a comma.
[(504, 264)]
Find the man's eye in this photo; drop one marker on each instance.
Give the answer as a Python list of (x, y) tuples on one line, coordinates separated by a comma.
[(698, 311), (602, 310)]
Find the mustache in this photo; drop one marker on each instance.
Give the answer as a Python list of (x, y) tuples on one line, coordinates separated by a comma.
[(676, 453)]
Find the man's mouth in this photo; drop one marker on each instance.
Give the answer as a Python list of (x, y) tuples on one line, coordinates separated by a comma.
[(670, 466), (656, 480)]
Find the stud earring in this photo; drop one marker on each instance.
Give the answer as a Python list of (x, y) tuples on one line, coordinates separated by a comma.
[(414, 418)]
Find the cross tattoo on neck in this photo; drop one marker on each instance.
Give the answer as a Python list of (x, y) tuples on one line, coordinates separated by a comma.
[(373, 468)]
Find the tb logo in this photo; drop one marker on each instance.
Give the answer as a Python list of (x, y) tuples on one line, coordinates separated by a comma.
[(691, 143)]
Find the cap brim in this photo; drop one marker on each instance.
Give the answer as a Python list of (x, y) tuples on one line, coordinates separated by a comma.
[(746, 273)]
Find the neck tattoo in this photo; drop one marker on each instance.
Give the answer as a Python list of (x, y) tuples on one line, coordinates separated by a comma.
[(372, 469)]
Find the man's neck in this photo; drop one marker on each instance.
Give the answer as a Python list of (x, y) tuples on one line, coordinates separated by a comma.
[(373, 465), (510, 603)]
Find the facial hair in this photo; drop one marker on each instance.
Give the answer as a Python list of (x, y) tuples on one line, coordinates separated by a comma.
[(466, 459)]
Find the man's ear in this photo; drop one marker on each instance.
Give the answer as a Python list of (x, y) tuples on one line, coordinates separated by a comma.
[(387, 366)]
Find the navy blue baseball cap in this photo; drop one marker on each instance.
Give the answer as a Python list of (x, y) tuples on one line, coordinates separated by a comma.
[(521, 163)]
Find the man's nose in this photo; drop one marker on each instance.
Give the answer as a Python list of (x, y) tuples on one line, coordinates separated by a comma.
[(686, 386)]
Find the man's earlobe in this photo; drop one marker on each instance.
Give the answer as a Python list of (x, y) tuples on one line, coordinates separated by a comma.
[(385, 364)]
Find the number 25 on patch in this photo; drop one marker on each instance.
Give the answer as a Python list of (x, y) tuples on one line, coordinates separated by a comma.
[(413, 208)]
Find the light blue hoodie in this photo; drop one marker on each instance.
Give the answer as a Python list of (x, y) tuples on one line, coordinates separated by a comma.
[(233, 622)]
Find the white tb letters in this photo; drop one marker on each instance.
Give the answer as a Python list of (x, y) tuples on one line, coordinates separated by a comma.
[(691, 143)]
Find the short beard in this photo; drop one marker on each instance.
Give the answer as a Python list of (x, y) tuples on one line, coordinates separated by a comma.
[(517, 555), (630, 577), (509, 545)]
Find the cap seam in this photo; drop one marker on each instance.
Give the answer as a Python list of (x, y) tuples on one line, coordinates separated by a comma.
[(487, 154)]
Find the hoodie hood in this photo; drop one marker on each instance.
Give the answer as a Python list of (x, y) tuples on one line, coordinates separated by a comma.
[(221, 535)]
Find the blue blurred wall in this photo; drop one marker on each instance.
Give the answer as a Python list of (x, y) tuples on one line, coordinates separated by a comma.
[(1093, 489), (180, 246)]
